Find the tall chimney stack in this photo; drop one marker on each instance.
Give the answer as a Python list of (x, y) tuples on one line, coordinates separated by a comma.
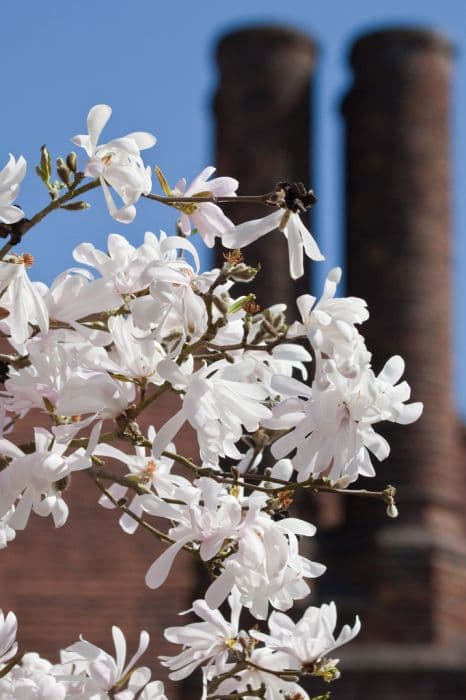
[(407, 578), (263, 134)]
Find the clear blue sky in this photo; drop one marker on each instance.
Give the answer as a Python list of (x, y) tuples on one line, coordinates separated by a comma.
[(152, 61)]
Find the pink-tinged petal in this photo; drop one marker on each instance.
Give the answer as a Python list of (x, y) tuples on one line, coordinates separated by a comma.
[(223, 186), (250, 231), (198, 184), (159, 570), (289, 386), (143, 139), (96, 120)]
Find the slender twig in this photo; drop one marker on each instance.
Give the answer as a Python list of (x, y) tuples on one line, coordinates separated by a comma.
[(52, 206), (211, 197)]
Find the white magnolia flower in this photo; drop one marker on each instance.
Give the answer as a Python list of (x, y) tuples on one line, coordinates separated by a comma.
[(22, 299), (264, 563), (267, 567), (331, 425), (133, 355), (208, 643), (207, 218), (290, 224), (218, 400), (117, 163), (311, 638), (10, 178), (153, 471), (103, 671), (33, 679), (329, 323), (33, 478), (75, 295), (131, 269), (8, 629)]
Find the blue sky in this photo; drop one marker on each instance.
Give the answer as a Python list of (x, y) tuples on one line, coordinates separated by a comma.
[(153, 62)]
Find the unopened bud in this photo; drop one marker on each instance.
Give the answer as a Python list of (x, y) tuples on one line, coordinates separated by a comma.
[(44, 169), (72, 161), (64, 173), (76, 206), (392, 510)]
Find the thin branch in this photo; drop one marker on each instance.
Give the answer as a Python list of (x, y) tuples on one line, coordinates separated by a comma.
[(211, 197), (27, 225)]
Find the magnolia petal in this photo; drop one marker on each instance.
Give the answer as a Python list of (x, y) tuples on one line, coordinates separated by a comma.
[(250, 231), (159, 570)]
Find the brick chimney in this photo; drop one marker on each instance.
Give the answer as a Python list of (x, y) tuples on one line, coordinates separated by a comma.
[(407, 578), (263, 134)]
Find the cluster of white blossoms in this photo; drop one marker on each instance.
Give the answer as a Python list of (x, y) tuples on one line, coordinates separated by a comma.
[(85, 671), (95, 351)]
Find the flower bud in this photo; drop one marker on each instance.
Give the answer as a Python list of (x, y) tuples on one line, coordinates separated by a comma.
[(72, 161), (64, 173), (76, 206), (392, 510)]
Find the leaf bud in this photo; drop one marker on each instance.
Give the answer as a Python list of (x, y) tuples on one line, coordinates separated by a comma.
[(243, 273), (44, 169)]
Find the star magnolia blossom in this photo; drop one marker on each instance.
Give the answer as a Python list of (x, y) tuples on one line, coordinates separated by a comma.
[(209, 395), (289, 223), (103, 671), (86, 672), (310, 639), (22, 299), (208, 219), (208, 643), (117, 163), (331, 425), (32, 478), (10, 178), (329, 324)]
